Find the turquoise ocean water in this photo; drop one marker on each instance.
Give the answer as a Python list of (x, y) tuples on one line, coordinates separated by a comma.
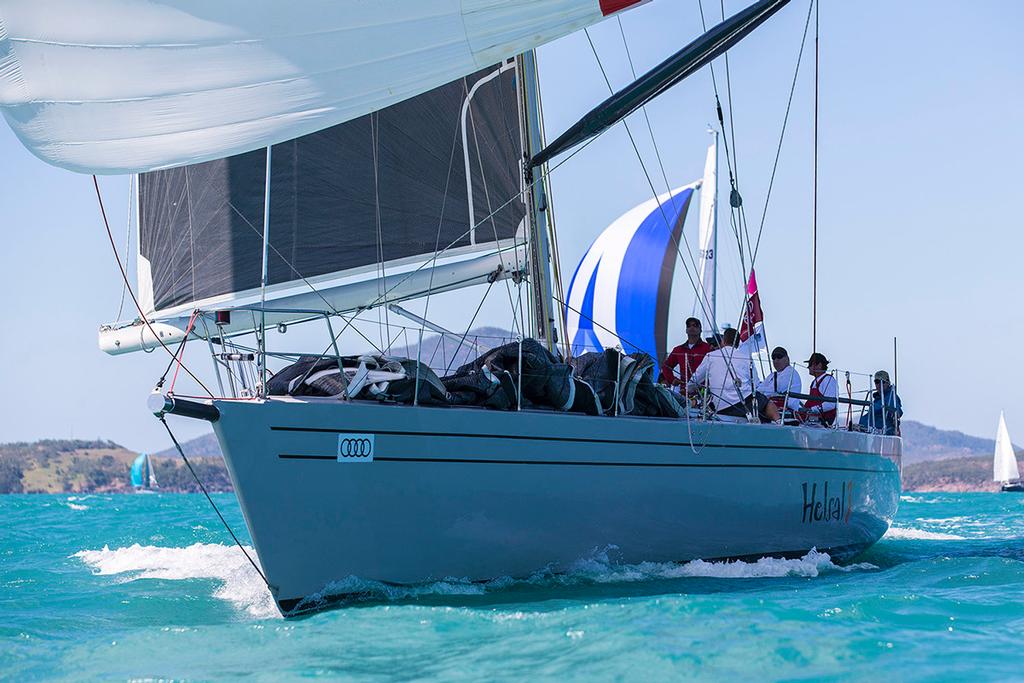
[(149, 587)]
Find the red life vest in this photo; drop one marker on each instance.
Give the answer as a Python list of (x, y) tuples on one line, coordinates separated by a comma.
[(828, 416), (778, 400)]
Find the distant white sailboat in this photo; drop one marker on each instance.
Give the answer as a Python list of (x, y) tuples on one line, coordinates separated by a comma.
[(1004, 466)]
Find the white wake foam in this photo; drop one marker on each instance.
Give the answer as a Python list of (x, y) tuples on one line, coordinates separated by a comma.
[(596, 568), (240, 584), (243, 587), (912, 534), (600, 569)]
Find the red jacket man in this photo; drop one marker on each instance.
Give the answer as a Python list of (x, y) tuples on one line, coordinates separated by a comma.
[(687, 356)]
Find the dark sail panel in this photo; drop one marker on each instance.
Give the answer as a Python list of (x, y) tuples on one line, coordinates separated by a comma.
[(200, 227), (390, 185)]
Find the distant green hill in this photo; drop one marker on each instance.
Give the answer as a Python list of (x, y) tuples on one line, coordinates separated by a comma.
[(205, 445), (75, 466), (922, 442), (952, 474)]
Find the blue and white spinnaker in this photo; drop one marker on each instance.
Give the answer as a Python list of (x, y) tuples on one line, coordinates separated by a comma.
[(619, 294)]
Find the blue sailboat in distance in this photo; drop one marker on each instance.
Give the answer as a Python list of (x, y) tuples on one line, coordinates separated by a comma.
[(142, 474)]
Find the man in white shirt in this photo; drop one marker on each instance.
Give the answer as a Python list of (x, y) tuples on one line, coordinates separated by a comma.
[(727, 374), (782, 382)]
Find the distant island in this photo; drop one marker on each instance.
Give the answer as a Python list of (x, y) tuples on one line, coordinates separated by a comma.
[(934, 460), (76, 466)]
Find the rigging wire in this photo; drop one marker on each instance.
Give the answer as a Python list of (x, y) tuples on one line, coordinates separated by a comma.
[(698, 290), (306, 281), (437, 254), (782, 135), (127, 241), (375, 141), (138, 307), (736, 213), (643, 108), (462, 340), (732, 110), (487, 193), (206, 493), (437, 242)]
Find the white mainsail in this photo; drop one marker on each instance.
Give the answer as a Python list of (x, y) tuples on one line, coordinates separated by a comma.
[(708, 240), (120, 86), (1004, 466)]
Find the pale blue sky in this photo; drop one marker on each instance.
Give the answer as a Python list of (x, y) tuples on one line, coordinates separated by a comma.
[(920, 231)]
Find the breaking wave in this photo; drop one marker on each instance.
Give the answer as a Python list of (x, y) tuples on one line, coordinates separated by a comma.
[(912, 534), (243, 587), (239, 582)]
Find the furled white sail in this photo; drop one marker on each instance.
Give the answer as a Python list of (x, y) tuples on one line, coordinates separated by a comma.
[(117, 86), (707, 239), (1004, 467)]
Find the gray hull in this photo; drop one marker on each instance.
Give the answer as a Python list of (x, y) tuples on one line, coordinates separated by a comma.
[(479, 494)]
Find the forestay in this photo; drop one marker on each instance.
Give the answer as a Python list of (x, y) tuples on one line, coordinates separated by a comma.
[(118, 86)]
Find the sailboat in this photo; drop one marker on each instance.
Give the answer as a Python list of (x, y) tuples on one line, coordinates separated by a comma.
[(1004, 464), (320, 214), (143, 477)]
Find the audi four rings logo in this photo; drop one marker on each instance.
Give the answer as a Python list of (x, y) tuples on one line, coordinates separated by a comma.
[(355, 447)]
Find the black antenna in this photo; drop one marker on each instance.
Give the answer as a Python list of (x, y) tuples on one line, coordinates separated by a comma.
[(895, 366)]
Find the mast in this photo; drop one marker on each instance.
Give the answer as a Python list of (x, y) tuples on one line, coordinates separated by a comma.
[(714, 245), (706, 303), (543, 323), (814, 220), (263, 278)]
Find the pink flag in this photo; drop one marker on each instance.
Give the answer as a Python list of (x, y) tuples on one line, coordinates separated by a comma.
[(752, 314)]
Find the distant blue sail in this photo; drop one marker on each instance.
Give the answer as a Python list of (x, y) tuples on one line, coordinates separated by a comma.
[(619, 294), (142, 474), (139, 478)]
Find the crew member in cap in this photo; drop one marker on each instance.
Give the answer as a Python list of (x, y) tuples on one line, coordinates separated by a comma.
[(886, 407), (785, 380), (687, 356), (824, 390)]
